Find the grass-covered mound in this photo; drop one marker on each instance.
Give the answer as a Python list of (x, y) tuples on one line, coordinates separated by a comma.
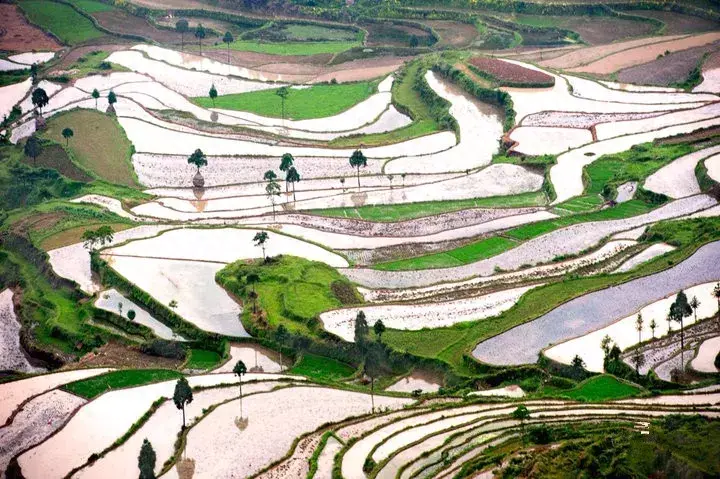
[(318, 101), (321, 368), (290, 291), (98, 145)]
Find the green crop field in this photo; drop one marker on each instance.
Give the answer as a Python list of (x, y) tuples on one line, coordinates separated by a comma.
[(61, 20), (602, 388), (290, 48), (94, 386), (318, 101), (321, 368)]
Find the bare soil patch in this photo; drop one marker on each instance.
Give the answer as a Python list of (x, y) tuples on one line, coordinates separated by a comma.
[(118, 356), (645, 54), (665, 71), (454, 34), (17, 35), (386, 33), (365, 69), (254, 60), (713, 61), (121, 22), (679, 23)]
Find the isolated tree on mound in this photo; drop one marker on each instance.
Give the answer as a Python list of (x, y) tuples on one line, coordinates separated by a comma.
[(269, 175), (39, 99), (99, 237), (639, 360), (213, 94), (272, 191), (292, 177), (240, 369), (653, 325), (521, 414), (146, 460), (373, 369), (286, 162), (639, 326), (34, 72), (577, 363), (67, 133), (198, 159), (183, 395), (227, 40), (33, 148), (112, 99), (200, 34), (182, 27), (379, 328), (361, 328), (260, 239), (680, 310), (283, 93), (95, 94), (356, 161), (252, 279)]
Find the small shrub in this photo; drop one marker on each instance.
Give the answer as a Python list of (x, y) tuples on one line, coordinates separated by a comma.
[(164, 349), (131, 314)]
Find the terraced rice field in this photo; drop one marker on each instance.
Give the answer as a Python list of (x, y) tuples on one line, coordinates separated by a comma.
[(369, 255)]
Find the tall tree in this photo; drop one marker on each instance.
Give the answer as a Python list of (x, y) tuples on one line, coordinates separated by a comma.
[(146, 460), (183, 395), (356, 161), (240, 369), (252, 279), (283, 93), (200, 34), (198, 159), (639, 326), (213, 94), (680, 310), (95, 94), (34, 72), (521, 414), (182, 27), (39, 99), (695, 304), (67, 133), (286, 162), (373, 368), (272, 191), (33, 148), (112, 98), (577, 363), (605, 344), (379, 328), (260, 239), (653, 325), (228, 39), (361, 328), (292, 177), (716, 293)]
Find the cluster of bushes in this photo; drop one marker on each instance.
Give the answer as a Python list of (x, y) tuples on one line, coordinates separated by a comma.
[(439, 107), (495, 97)]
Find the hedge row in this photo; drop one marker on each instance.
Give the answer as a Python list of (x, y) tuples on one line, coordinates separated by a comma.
[(495, 97), (125, 325), (438, 106)]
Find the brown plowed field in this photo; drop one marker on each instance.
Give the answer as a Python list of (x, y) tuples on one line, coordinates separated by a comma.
[(17, 35), (119, 21), (648, 53), (453, 34), (676, 23), (508, 72), (587, 55), (672, 68)]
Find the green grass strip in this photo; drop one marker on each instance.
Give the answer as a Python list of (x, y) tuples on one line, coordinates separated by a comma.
[(318, 101), (93, 387), (408, 211), (61, 20), (290, 48), (476, 251)]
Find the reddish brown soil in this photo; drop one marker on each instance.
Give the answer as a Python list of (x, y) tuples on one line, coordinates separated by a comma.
[(17, 35), (454, 34), (679, 23), (508, 72), (253, 60), (121, 22), (118, 356), (672, 68), (382, 33), (359, 70), (713, 61)]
